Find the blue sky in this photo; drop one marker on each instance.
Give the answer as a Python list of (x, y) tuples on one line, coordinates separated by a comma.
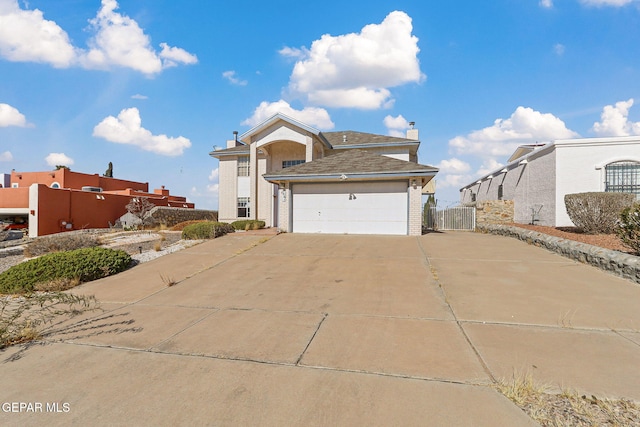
[(154, 85)]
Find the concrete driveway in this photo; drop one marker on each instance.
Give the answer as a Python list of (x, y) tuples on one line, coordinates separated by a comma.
[(331, 330)]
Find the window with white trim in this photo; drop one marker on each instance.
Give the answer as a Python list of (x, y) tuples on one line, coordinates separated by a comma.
[(243, 207), (289, 163), (243, 166), (622, 177)]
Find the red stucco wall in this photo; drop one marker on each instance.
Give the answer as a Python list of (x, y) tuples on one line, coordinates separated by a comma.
[(14, 197), (82, 209), (75, 180)]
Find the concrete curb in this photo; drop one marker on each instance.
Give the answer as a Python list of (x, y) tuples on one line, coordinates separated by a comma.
[(618, 263)]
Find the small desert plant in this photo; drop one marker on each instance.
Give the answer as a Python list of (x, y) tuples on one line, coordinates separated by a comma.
[(60, 242), (22, 317), (157, 246), (82, 264), (206, 230), (595, 213), (628, 229), (248, 224)]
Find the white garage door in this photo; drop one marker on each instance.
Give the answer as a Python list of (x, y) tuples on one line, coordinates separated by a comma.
[(351, 207)]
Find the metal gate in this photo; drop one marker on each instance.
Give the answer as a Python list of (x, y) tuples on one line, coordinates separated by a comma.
[(457, 218)]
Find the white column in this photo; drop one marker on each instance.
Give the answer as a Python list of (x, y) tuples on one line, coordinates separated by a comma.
[(253, 178)]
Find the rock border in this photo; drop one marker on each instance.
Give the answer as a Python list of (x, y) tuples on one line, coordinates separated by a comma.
[(615, 262)]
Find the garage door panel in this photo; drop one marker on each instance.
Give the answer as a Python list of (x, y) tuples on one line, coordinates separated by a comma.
[(355, 208)]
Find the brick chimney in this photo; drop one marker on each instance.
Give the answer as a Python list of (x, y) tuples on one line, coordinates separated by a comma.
[(161, 191)]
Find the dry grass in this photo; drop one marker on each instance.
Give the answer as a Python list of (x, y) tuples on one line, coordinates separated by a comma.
[(567, 408), (158, 246), (22, 317), (168, 280), (57, 285)]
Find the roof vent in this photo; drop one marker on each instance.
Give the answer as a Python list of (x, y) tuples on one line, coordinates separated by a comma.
[(411, 125), (344, 137)]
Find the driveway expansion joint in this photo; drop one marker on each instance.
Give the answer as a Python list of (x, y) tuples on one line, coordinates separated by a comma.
[(324, 317), (441, 289)]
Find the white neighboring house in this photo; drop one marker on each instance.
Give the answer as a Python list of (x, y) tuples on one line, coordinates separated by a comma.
[(538, 177), (301, 180)]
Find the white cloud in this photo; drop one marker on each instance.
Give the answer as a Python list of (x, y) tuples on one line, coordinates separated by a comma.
[(293, 52), (231, 76), (6, 156), (318, 117), (356, 70), (396, 126), (547, 4), (120, 41), (360, 97), (489, 165), (600, 3), (452, 180), (138, 96), (453, 173), (559, 49), (127, 129), (524, 126), (26, 36), (214, 175), (614, 121), (173, 55), (453, 165), (55, 159), (10, 116)]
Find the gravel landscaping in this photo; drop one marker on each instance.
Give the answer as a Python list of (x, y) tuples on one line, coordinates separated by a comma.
[(143, 246)]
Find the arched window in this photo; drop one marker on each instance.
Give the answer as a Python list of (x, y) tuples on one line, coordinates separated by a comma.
[(55, 185), (623, 177)]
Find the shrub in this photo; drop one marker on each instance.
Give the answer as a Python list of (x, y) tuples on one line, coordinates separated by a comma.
[(60, 242), (248, 224), (628, 229), (595, 213), (206, 230), (81, 265), (181, 225)]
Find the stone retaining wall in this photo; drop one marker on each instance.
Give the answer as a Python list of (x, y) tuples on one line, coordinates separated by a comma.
[(172, 216), (618, 263), (163, 215), (494, 212)]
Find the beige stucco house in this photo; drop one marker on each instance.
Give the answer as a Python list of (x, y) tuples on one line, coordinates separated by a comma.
[(301, 180)]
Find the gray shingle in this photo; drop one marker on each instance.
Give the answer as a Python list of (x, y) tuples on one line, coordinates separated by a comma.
[(353, 162), (357, 138)]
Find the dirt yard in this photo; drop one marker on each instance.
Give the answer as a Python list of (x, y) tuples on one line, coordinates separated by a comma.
[(609, 241)]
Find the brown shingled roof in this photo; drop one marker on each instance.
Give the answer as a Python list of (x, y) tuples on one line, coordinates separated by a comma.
[(353, 162)]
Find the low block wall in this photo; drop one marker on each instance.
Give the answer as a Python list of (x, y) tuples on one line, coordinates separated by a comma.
[(618, 263)]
